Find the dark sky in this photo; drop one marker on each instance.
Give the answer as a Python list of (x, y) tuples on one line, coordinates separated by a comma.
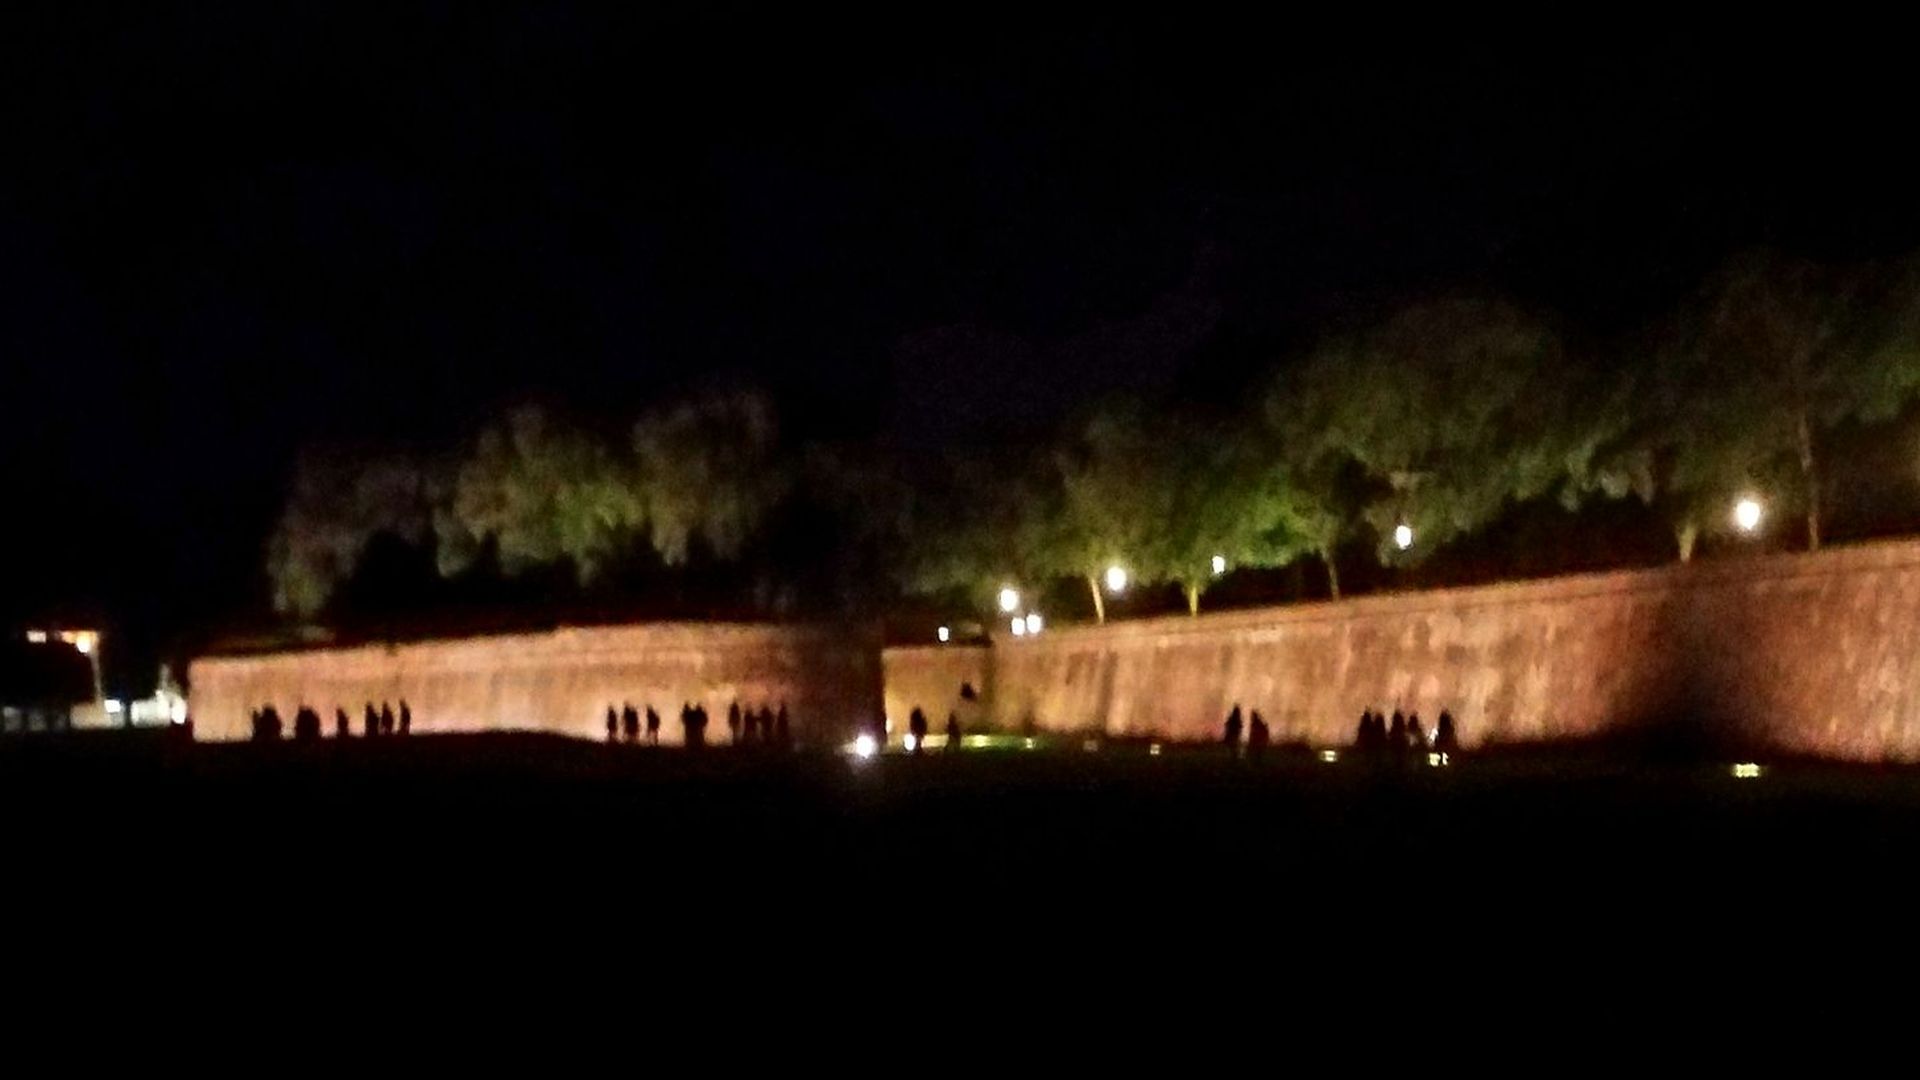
[(229, 231)]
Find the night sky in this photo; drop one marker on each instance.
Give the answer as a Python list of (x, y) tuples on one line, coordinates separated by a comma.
[(233, 231)]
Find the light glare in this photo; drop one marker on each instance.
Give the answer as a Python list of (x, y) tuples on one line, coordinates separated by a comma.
[(944, 633), (1403, 536), (1009, 598), (1034, 623), (1116, 579), (865, 747), (1019, 626), (1746, 514), (1219, 565)]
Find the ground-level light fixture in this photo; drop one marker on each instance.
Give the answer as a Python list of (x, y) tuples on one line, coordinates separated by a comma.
[(1116, 578), (911, 742), (1019, 626), (865, 747), (36, 637), (1219, 565), (1034, 622), (943, 634), (1747, 513), (1009, 598), (1403, 536)]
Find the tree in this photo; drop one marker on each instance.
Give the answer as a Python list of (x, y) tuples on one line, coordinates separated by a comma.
[(1220, 499), (338, 500), (1111, 504), (709, 468), (540, 491), (1440, 416), (1774, 353), (976, 523)]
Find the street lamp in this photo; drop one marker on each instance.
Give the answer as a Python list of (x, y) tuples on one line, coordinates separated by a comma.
[(944, 634), (1219, 565), (1403, 536), (1747, 514), (1009, 598), (1019, 626), (1034, 622), (1116, 578)]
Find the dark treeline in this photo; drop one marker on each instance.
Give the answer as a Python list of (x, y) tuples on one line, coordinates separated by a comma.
[(1494, 438)]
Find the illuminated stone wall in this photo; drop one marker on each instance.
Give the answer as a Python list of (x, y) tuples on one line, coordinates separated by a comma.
[(1816, 654), (931, 677), (559, 681)]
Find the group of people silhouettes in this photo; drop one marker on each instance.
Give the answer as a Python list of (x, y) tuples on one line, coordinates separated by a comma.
[(1258, 734), (1378, 737), (764, 726), (1403, 736), (267, 725), (917, 727)]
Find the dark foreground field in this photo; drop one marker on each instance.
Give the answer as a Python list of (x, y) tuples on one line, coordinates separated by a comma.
[(450, 828)]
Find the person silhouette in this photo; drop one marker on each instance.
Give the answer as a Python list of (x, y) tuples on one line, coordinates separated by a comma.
[(751, 718), (1416, 738), (733, 723), (630, 722), (1258, 735), (342, 727), (1397, 735), (953, 731), (653, 726), (386, 718), (917, 727), (782, 733), (613, 724), (372, 721), (766, 724), (270, 720), (1445, 740), (1363, 735), (406, 717), (1232, 737)]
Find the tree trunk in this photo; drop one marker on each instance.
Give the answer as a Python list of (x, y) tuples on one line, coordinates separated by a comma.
[(1099, 605), (1685, 534), (1193, 599), (1333, 574), (1813, 484)]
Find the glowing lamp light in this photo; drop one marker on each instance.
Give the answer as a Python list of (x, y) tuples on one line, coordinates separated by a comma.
[(865, 747), (1153, 749), (943, 633), (1029, 745), (1019, 626), (1328, 757), (1091, 746), (1219, 565), (1034, 622), (911, 742), (1116, 579), (1403, 536), (1438, 760), (1746, 770), (177, 712), (1009, 598), (1746, 514), (37, 637), (115, 706)]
